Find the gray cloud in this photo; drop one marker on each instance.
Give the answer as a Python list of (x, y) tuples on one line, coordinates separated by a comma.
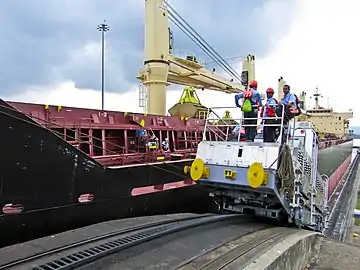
[(45, 42)]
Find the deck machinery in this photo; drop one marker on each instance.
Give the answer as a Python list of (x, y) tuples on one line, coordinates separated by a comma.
[(272, 180)]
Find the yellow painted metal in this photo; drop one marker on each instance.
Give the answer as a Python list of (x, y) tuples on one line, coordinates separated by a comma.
[(227, 115), (198, 170), (187, 169), (189, 105), (256, 175), (229, 174), (189, 96)]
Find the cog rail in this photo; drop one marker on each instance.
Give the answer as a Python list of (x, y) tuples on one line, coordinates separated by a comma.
[(84, 252), (238, 253)]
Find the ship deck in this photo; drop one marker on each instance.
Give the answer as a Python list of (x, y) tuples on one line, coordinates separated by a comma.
[(111, 138)]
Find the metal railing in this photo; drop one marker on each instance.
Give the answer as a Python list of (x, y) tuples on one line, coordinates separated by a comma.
[(218, 125)]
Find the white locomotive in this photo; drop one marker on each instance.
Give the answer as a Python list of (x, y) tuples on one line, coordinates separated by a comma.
[(272, 180)]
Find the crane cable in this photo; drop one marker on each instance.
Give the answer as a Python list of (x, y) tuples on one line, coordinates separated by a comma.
[(207, 52), (285, 170), (185, 27), (198, 43), (203, 47), (227, 59), (203, 40), (206, 48)]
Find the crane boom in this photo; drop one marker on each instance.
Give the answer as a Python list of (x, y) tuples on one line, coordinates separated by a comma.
[(162, 68)]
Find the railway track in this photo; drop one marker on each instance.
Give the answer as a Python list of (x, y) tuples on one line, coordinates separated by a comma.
[(238, 253), (342, 206), (187, 242)]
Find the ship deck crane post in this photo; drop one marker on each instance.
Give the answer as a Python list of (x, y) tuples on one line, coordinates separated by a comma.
[(162, 68)]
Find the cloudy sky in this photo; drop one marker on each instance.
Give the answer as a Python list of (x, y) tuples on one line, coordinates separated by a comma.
[(51, 53)]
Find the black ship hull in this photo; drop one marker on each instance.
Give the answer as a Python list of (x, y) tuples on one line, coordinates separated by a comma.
[(43, 177)]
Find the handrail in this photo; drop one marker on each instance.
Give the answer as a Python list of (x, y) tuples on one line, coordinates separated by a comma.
[(239, 121)]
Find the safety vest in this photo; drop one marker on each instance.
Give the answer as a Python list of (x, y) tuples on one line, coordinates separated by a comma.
[(270, 109), (247, 94)]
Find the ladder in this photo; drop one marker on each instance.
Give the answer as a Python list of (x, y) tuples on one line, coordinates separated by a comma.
[(143, 97)]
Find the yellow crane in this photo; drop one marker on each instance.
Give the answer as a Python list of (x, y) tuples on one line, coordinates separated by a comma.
[(189, 105), (161, 67)]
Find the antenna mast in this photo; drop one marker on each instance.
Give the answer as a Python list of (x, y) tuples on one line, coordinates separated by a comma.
[(316, 97)]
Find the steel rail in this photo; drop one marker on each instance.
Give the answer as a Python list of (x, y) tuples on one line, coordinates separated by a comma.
[(102, 237), (84, 252), (236, 251)]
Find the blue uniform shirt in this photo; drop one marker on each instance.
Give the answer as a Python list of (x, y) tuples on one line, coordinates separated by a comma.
[(255, 99), (140, 133), (288, 98)]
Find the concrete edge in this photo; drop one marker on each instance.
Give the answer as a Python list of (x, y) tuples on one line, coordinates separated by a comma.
[(291, 253)]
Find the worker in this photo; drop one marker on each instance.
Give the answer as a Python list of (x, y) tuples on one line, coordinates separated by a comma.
[(269, 111), (153, 142), (165, 145), (289, 101), (141, 137), (251, 102)]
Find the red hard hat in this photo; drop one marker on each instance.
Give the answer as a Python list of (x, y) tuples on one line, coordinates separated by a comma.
[(253, 83), (269, 90)]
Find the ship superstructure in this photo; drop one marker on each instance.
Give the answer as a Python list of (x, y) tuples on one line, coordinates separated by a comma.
[(325, 120)]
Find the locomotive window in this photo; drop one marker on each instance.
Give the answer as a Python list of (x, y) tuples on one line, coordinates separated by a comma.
[(240, 152)]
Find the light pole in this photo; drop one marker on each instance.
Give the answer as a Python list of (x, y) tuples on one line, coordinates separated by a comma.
[(102, 28)]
